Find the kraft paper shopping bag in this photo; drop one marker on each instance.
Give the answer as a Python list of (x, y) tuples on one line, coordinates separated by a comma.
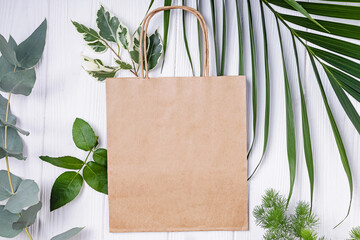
[(177, 150)]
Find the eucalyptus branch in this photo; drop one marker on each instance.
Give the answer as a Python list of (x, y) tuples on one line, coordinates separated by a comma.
[(7, 157)]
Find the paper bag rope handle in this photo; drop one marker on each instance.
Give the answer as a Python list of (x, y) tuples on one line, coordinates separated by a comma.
[(145, 27)]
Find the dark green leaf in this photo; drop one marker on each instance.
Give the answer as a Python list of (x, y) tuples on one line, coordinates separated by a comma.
[(27, 217), (213, 20), (339, 62), (6, 220), (95, 176), (100, 156), (267, 90), (29, 52), (335, 28), (348, 83), (5, 189), (199, 39), (223, 48), (68, 234), (290, 125), (300, 9), (186, 41), (344, 100), (166, 28), (337, 136), (26, 195), (123, 35), (67, 162), (7, 51), (240, 40), (66, 187), (155, 50), (328, 10), (83, 135), (253, 75), (123, 65), (305, 129), (19, 82), (14, 144), (107, 24), (336, 45), (91, 37)]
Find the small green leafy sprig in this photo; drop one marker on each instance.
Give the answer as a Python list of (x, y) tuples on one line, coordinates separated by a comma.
[(68, 185), (272, 215), (114, 35)]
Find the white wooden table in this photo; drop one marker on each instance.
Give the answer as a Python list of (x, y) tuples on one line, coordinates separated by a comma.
[(64, 91)]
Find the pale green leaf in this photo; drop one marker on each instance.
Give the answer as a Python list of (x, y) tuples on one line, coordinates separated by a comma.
[(123, 36), (5, 189), (19, 82), (6, 221), (27, 217), (68, 234), (26, 195), (29, 52)]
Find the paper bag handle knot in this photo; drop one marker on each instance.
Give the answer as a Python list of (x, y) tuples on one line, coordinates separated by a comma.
[(145, 27)]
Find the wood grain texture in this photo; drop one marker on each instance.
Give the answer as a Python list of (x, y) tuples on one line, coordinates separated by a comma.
[(65, 91)]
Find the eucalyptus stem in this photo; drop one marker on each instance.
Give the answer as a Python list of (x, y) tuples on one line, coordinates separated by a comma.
[(7, 157)]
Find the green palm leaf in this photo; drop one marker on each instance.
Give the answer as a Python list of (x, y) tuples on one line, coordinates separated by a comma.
[(253, 75), (267, 91), (323, 9), (338, 139), (290, 125), (305, 129), (186, 41)]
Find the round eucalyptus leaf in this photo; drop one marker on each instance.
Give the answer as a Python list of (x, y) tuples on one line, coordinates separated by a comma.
[(7, 51), (100, 156), (83, 135), (66, 187), (3, 106), (68, 234), (95, 176), (27, 217), (26, 195), (29, 52), (14, 144), (19, 82), (6, 220), (5, 189)]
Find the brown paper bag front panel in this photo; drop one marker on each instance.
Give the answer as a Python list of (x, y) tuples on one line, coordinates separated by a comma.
[(177, 154)]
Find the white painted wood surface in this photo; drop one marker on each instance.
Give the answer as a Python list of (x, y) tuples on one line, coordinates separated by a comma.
[(64, 91)]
